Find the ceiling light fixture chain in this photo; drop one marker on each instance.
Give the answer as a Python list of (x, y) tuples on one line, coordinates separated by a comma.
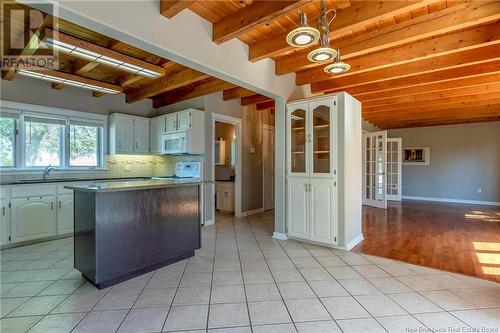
[(304, 36)]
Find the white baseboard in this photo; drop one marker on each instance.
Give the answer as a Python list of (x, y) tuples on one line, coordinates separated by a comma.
[(355, 241), (209, 222), (279, 236), (252, 212), (461, 201)]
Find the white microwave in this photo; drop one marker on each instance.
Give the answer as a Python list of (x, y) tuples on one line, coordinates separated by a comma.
[(175, 143)]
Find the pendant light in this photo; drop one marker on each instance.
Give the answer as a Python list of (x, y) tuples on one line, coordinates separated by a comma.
[(303, 35), (324, 53), (338, 67)]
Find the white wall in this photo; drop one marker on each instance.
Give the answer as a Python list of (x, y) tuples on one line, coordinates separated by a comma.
[(463, 158), (38, 92)]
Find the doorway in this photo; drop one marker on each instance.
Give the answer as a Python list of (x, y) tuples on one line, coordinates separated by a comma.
[(226, 168)]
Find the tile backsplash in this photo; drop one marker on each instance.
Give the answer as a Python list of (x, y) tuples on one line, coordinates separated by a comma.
[(118, 166)]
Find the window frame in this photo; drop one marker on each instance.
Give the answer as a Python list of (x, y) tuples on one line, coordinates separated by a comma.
[(15, 153), (100, 143), (20, 110)]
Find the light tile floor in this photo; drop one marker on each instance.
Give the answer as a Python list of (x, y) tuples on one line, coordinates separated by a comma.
[(244, 281)]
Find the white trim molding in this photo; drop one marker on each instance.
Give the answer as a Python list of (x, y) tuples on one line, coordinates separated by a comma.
[(355, 241), (279, 236), (448, 200), (251, 212)]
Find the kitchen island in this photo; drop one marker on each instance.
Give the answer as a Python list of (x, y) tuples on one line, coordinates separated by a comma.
[(125, 229)]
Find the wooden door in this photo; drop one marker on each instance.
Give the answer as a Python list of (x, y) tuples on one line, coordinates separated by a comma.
[(298, 207), (323, 209), (374, 169), (268, 149), (394, 166)]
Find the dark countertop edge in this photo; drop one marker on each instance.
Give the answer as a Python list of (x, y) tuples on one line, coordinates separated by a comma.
[(132, 187), (70, 180)]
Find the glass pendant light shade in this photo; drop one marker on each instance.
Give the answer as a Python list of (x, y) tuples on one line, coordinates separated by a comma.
[(303, 35), (324, 53), (338, 66)]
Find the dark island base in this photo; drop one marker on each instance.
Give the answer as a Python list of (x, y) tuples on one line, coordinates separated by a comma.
[(121, 235), (139, 272)]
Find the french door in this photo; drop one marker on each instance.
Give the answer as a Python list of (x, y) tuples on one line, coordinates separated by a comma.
[(394, 161), (374, 169)]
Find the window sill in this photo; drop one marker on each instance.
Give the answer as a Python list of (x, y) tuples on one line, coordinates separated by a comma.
[(39, 170)]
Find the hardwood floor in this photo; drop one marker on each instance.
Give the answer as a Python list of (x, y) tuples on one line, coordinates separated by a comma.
[(458, 238)]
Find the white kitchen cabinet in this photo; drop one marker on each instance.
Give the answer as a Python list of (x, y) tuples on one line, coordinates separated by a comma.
[(65, 215), (157, 127), (128, 134), (171, 122), (141, 135), (317, 165), (183, 120), (225, 196), (33, 218), (5, 221)]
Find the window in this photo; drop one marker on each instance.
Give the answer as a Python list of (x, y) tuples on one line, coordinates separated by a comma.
[(84, 147), (7, 142), (43, 138)]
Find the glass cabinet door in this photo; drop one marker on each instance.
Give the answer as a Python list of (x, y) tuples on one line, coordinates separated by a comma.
[(298, 139), (322, 122)]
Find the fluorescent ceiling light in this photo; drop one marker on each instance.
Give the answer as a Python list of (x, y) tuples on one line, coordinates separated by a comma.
[(94, 56), (68, 82)]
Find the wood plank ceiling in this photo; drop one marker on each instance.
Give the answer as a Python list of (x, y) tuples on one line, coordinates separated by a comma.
[(414, 63), (176, 83)]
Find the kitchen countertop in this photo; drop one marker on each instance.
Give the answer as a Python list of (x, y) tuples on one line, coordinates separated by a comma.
[(135, 185), (66, 180)]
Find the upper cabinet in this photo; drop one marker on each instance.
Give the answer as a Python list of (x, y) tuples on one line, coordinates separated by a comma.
[(310, 135), (128, 134)]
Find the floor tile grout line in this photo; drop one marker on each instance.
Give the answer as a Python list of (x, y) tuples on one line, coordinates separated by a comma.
[(211, 275)]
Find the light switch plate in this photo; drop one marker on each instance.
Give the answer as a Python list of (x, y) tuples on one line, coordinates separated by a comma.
[(252, 150)]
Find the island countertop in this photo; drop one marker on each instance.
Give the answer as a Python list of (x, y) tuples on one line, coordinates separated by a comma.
[(135, 185)]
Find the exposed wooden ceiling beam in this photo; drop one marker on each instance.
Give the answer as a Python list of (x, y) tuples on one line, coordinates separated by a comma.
[(205, 88), (437, 122), (236, 92), (49, 33), (170, 8), (250, 17), (97, 94), (254, 99), (57, 86), (166, 83), (429, 97), (67, 76), (461, 16), (437, 47), (358, 14), (266, 105), (460, 82), (457, 59), (414, 80)]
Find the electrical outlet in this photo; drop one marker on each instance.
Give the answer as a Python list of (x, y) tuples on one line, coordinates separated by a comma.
[(252, 150), (479, 190), (128, 168)]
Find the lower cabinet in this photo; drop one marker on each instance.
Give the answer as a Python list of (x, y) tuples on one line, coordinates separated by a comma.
[(4, 222), (65, 215), (225, 196), (312, 209), (33, 217)]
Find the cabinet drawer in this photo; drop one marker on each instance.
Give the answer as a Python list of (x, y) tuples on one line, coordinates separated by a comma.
[(33, 190)]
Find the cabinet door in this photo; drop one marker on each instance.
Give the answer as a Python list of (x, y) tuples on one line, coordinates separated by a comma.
[(171, 122), (323, 211), (33, 218), (141, 135), (298, 140), (322, 122), (125, 133), (156, 129), (5, 222), (183, 120), (65, 215), (298, 203)]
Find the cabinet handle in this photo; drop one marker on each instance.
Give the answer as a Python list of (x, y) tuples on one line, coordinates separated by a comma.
[(120, 144), (3, 210), (59, 204), (52, 205), (136, 145)]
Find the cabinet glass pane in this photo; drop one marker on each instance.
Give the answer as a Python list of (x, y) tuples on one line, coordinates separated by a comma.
[(321, 139), (298, 141)]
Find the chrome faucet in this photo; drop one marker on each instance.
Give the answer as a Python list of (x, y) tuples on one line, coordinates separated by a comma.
[(47, 170)]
